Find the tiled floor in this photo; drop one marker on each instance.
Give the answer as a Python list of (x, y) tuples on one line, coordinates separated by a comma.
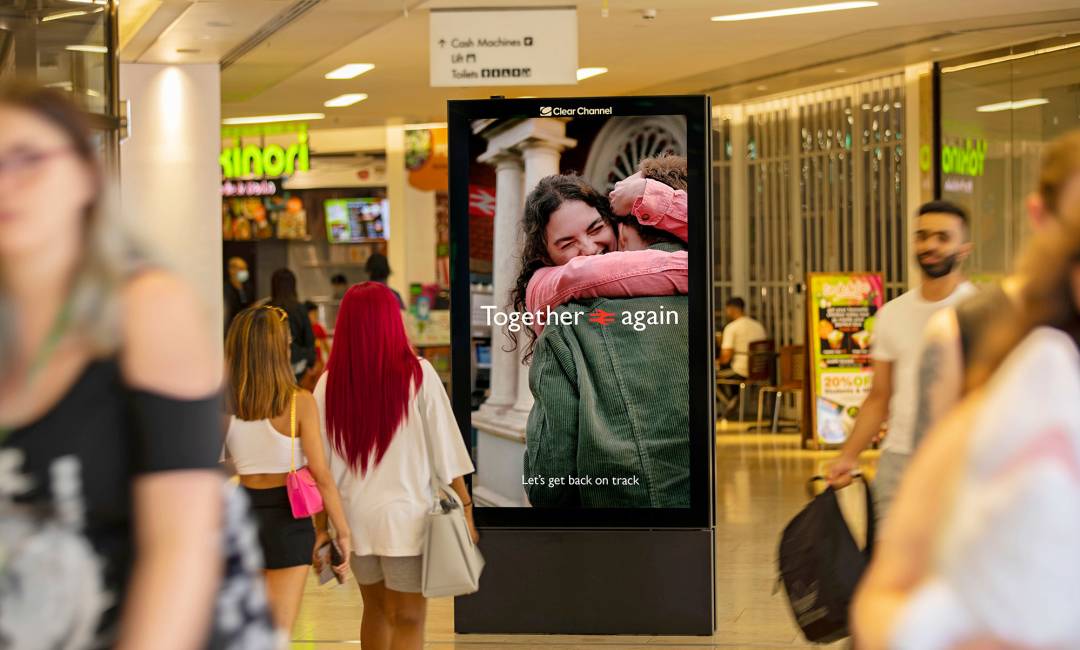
[(761, 483)]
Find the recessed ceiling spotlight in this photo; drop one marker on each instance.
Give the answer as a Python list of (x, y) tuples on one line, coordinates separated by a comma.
[(935, 49), (187, 50), (762, 87), (266, 119), (589, 73), (62, 15), (347, 99), (350, 71), (1012, 106), (793, 11), (840, 70), (91, 49)]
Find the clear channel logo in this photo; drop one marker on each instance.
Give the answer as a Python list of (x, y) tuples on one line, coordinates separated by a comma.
[(577, 111)]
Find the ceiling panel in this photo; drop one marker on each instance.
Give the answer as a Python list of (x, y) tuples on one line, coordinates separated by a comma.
[(680, 51)]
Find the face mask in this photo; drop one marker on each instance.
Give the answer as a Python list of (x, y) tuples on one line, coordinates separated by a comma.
[(242, 276), (939, 269)]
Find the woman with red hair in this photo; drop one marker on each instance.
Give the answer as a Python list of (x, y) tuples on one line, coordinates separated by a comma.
[(389, 430)]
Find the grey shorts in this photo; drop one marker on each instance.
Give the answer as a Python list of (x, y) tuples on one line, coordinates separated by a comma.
[(398, 573)]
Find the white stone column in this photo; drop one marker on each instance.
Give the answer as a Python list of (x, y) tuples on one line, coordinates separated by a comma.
[(508, 206), (170, 180), (541, 159)]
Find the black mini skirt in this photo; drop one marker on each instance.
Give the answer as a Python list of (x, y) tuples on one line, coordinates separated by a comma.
[(286, 542)]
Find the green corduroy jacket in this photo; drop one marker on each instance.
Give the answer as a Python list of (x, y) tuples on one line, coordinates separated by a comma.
[(611, 409)]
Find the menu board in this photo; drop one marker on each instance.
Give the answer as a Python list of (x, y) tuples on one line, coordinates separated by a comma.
[(841, 311)]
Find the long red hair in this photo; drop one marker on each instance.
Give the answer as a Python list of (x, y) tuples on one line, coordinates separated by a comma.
[(371, 375)]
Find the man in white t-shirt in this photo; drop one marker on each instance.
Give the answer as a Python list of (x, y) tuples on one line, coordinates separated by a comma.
[(941, 244), (739, 333)]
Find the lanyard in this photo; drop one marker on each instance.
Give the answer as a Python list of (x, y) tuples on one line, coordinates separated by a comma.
[(45, 352)]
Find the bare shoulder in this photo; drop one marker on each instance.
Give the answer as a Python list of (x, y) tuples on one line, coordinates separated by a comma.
[(167, 347), (305, 401)]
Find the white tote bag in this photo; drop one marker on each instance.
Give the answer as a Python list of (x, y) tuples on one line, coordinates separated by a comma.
[(451, 562)]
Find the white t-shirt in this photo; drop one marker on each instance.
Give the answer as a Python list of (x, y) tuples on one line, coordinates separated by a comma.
[(1005, 562), (738, 335), (898, 336), (387, 507)]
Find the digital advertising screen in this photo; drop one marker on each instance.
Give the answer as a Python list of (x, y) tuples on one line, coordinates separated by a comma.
[(581, 308), (357, 219)]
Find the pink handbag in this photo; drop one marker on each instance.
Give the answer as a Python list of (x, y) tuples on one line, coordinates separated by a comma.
[(303, 492)]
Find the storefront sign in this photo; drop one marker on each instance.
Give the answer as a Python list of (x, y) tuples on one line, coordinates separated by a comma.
[(270, 161), (248, 188), (841, 312), (967, 160), (503, 47)]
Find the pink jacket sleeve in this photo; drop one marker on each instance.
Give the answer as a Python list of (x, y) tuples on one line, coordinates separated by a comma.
[(662, 207), (614, 275)]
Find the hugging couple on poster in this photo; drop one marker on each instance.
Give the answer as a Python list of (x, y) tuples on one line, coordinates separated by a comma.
[(609, 427)]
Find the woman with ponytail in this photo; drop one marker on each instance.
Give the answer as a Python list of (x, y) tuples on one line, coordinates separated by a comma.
[(389, 432)]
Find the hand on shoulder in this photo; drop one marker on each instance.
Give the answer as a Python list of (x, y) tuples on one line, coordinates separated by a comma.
[(166, 346)]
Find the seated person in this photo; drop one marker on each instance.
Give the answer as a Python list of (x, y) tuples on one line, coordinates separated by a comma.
[(739, 333)]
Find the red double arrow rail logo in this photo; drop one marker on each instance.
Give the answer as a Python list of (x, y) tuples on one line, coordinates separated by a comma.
[(601, 317)]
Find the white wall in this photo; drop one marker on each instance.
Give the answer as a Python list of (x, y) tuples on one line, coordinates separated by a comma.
[(169, 175), (420, 235)]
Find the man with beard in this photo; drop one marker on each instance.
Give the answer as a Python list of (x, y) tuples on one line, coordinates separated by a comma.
[(941, 244)]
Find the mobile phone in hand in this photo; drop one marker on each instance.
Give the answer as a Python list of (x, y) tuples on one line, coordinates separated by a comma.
[(330, 557)]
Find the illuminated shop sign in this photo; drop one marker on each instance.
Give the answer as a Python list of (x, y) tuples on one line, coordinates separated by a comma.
[(243, 161), (968, 159), (248, 188)]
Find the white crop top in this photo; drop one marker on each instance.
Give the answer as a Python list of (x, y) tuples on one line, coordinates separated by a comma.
[(256, 447)]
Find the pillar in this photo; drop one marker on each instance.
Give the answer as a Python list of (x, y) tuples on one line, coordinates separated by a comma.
[(170, 180), (508, 208), (541, 159)]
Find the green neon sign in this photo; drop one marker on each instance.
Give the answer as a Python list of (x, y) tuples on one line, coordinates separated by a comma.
[(966, 160), (272, 161)]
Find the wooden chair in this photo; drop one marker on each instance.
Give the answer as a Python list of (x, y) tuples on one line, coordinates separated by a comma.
[(792, 370), (761, 370)]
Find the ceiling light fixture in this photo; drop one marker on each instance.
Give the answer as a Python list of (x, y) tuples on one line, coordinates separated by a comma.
[(1010, 57), (66, 14), (92, 49), (350, 71), (793, 11), (426, 125), (266, 119), (348, 99), (589, 73), (1012, 106)]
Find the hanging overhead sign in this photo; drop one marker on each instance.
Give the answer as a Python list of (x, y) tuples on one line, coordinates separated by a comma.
[(504, 47)]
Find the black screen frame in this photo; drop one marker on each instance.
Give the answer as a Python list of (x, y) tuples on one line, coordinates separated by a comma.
[(697, 111)]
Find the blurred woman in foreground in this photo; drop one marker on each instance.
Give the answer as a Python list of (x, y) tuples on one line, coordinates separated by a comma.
[(110, 499), (981, 549)]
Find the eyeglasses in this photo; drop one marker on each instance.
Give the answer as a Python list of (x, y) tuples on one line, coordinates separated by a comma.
[(281, 313), (19, 163)]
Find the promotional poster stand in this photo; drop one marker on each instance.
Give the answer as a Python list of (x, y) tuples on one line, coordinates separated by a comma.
[(841, 309), (581, 569)]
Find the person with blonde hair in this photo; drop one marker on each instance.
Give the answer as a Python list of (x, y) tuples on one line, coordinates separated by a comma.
[(110, 496), (273, 430), (980, 551)]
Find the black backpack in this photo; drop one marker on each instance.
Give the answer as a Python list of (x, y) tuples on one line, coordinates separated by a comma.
[(820, 564)]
